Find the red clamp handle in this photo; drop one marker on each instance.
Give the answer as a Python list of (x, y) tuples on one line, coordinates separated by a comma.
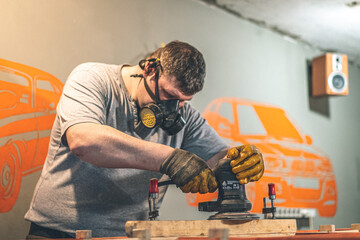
[(154, 185), (272, 194)]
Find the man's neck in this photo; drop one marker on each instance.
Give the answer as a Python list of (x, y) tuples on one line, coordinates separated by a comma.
[(131, 83)]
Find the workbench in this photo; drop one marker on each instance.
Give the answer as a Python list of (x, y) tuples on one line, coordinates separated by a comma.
[(340, 234), (300, 235), (324, 232)]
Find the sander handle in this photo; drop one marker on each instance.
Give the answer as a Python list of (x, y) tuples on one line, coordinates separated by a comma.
[(164, 183)]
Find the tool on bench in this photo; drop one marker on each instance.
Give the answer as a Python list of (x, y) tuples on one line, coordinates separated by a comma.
[(232, 203), (272, 197), (153, 195)]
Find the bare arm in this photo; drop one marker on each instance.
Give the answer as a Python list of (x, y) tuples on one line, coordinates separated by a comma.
[(213, 161), (105, 146)]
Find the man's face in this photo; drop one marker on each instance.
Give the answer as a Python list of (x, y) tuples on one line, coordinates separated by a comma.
[(168, 90)]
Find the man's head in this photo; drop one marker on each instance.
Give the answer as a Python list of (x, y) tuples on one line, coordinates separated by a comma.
[(184, 63), (171, 76)]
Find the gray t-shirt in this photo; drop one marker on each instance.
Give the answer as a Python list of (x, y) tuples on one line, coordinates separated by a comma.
[(72, 194)]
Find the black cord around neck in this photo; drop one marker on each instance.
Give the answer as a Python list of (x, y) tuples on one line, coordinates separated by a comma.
[(137, 75)]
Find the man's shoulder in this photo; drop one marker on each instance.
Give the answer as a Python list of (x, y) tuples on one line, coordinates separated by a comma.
[(187, 108), (94, 67), (94, 71), (191, 114)]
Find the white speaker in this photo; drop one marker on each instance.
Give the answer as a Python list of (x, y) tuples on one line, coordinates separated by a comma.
[(330, 75)]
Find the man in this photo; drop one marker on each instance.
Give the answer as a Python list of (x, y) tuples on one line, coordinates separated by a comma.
[(119, 126)]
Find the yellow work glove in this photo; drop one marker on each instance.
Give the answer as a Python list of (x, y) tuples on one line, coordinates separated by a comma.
[(247, 163), (189, 172)]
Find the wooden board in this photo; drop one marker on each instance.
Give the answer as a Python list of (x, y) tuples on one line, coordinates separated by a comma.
[(355, 228), (328, 228), (237, 228)]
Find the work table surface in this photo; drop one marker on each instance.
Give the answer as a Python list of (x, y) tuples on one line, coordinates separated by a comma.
[(300, 235)]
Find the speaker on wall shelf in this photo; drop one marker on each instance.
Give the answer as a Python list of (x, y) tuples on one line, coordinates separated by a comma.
[(330, 75)]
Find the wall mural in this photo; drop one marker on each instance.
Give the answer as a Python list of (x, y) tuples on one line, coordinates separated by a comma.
[(302, 173), (28, 99)]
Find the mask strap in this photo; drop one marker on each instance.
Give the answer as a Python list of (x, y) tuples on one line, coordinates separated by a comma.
[(155, 63), (157, 85), (153, 97)]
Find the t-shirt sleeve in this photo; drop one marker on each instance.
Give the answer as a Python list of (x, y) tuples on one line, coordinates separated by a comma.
[(83, 99), (199, 137)]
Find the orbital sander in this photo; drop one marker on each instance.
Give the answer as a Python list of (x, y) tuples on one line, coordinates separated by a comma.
[(232, 203)]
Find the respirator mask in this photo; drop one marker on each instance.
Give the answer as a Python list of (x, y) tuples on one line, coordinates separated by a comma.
[(165, 114)]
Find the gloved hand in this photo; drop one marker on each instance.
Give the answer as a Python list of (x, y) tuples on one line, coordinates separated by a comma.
[(247, 163), (189, 172)]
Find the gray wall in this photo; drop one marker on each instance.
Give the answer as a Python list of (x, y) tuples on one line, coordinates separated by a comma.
[(243, 60)]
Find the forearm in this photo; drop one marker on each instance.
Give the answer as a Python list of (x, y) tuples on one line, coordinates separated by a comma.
[(105, 146), (213, 161)]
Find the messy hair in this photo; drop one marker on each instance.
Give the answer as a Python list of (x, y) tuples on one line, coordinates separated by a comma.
[(185, 62)]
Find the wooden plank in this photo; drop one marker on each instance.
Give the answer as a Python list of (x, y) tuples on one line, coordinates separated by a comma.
[(143, 234), (355, 226), (83, 234), (237, 228), (219, 233), (346, 231), (328, 228)]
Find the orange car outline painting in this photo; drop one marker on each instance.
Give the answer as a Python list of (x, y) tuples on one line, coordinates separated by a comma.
[(302, 173), (28, 99)]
